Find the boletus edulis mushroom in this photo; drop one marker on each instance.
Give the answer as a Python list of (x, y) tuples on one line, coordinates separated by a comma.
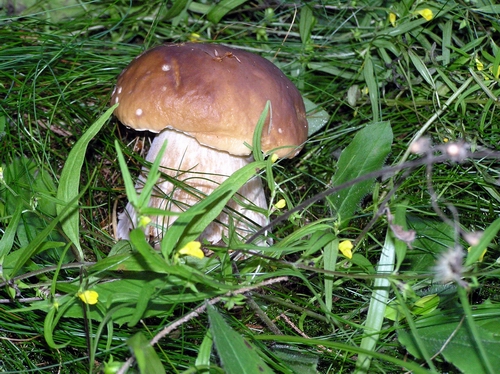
[(205, 100)]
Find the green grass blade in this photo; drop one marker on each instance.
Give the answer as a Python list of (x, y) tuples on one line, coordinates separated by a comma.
[(27, 252), (488, 236), (145, 355), (69, 184), (127, 178), (48, 330), (205, 351), (222, 8), (176, 8), (153, 176), (10, 232), (257, 134), (447, 33), (371, 83), (331, 252), (378, 304), (421, 68)]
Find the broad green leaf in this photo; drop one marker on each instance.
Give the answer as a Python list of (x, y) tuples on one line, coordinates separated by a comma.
[(238, 356), (433, 236), (69, 183), (446, 333), (222, 8), (306, 24), (145, 355), (365, 154)]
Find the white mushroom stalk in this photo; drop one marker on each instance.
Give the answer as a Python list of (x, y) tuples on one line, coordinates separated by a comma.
[(203, 169)]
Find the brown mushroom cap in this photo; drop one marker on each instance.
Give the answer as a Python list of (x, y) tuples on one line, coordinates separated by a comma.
[(213, 93)]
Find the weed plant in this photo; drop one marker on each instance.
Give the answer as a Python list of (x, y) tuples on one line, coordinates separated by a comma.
[(402, 164)]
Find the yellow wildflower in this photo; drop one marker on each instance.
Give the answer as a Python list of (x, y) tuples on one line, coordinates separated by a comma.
[(479, 64), (89, 297), (280, 204), (392, 19), (346, 248), (192, 249), (426, 13)]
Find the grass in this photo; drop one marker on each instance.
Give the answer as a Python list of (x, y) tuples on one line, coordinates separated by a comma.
[(380, 311)]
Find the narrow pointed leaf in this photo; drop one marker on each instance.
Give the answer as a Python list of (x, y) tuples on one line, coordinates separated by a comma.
[(69, 184), (238, 356)]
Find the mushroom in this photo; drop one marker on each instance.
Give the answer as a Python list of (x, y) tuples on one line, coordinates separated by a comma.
[(205, 101)]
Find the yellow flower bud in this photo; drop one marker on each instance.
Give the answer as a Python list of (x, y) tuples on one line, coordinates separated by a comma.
[(392, 19), (194, 37), (144, 221), (479, 64)]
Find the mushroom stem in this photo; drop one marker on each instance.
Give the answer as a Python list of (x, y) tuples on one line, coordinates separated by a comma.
[(199, 170)]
